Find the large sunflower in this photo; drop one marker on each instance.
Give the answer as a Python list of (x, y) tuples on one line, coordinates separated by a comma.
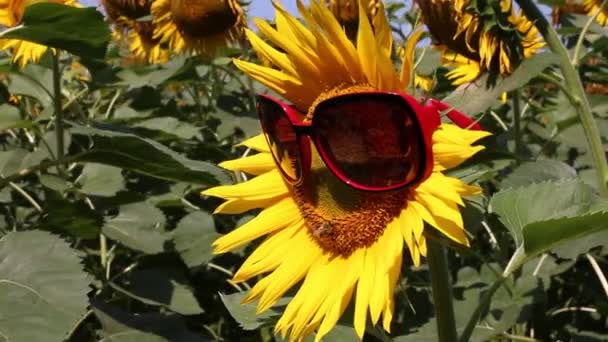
[(480, 36), (359, 254), (197, 26), (593, 6), (11, 13)]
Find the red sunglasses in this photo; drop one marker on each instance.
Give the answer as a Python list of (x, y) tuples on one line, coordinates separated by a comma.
[(372, 141)]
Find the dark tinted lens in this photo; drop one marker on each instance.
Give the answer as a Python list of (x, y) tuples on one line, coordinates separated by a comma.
[(373, 140), (281, 138)]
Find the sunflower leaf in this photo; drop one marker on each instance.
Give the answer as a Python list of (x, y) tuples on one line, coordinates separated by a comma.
[(138, 226), (538, 171), (245, 314), (55, 25), (543, 215), (146, 156), (193, 238), (43, 287), (472, 98), (122, 326)]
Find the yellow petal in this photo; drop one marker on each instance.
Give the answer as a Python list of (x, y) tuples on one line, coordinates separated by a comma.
[(267, 185), (278, 216), (255, 164)]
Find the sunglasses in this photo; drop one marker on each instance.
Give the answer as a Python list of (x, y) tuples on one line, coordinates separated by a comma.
[(372, 141)]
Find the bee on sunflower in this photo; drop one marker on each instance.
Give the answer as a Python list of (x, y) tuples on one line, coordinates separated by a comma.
[(198, 26), (137, 35), (11, 14), (348, 172), (480, 36)]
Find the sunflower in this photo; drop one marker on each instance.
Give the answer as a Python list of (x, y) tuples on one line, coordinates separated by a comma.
[(119, 10), (357, 256), (11, 13), (198, 26), (480, 36), (594, 6), (347, 12), (136, 34)]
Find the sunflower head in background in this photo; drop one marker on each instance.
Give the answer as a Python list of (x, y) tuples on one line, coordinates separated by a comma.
[(198, 26), (136, 35), (335, 244), (119, 10), (480, 36), (347, 13), (595, 6), (11, 13)]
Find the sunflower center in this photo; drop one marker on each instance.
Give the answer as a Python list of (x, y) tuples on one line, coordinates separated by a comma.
[(202, 18), (340, 218), (145, 30)]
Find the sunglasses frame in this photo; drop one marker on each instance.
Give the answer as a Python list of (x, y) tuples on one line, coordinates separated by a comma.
[(426, 116)]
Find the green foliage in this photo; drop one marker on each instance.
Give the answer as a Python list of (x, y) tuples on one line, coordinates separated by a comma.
[(109, 239), (30, 308)]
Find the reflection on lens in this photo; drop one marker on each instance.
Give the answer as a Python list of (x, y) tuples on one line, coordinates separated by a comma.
[(372, 141), (281, 138)]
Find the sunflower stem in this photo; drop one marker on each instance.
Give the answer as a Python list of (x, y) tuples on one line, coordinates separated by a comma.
[(575, 87), (516, 121), (581, 37), (442, 292), (59, 129)]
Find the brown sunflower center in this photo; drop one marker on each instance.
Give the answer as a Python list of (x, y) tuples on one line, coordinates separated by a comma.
[(202, 18), (340, 218), (145, 30)]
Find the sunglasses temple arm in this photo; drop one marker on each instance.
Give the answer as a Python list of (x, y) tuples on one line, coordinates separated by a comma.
[(457, 117)]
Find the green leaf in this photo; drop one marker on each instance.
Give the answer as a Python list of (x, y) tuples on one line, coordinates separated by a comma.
[(193, 238), (538, 171), (139, 226), (163, 287), (34, 81), (73, 218), (540, 202), (61, 26), (472, 98), (101, 180), (43, 287), (245, 314), (171, 126), (10, 118), (148, 157), (121, 326), (542, 236)]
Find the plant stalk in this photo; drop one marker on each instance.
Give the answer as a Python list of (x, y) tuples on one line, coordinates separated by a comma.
[(442, 292), (59, 129), (575, 87), (516, 120)]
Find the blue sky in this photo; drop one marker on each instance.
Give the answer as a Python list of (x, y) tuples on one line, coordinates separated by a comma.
[(258, 8)]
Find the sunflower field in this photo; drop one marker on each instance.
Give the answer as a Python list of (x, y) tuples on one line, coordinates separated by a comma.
[(339, 170)]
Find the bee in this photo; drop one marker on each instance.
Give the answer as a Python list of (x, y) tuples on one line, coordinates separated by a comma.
[(324, 229)]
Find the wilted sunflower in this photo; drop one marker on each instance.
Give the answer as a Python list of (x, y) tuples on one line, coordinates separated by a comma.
[(11, 13), (593, 6), (479, 36), (360, 255), (198, 26)]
